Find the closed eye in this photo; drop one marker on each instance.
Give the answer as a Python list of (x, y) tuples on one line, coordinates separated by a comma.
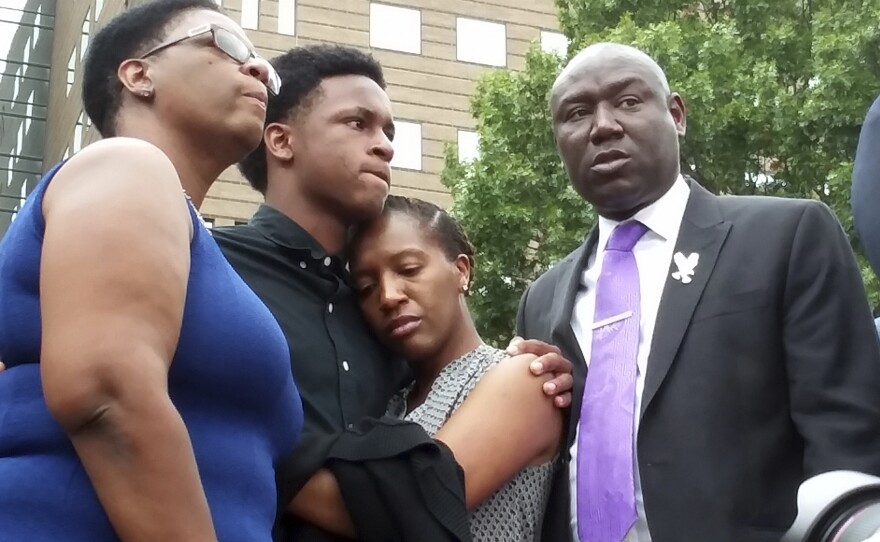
[(410, 271), (365, 290)]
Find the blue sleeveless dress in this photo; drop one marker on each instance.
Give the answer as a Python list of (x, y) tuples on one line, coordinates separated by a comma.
[(230, 379)]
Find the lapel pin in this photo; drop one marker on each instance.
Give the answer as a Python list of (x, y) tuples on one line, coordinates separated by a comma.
[(685, 266)]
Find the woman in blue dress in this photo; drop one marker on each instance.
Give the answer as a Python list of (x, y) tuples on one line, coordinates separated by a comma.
[(148, 394)]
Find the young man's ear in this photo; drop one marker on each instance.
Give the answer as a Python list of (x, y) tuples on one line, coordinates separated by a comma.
[(279, 141)]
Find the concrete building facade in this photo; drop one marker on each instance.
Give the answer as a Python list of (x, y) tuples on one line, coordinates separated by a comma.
[(433, 52), (26, 37)]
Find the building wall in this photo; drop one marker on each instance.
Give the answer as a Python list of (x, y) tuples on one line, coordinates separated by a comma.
[(430, 89), (25, 52), (69, 129)]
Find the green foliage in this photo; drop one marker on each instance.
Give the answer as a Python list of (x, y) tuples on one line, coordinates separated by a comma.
[(776, 91), (513, 200)]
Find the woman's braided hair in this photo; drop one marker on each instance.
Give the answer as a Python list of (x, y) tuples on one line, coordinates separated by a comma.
[(448, 233)]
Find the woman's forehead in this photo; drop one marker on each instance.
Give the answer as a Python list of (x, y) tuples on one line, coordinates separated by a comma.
[(393, 233)]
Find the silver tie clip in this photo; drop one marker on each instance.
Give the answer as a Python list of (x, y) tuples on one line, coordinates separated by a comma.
[(611, 320)]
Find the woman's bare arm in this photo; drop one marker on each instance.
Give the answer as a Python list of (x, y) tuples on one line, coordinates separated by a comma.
[(114, 270), (506, 423)]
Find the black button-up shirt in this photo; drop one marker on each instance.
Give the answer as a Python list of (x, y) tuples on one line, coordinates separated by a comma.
[(343, 374)]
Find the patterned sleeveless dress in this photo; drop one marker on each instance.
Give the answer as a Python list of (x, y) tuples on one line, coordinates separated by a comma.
[(516, 511)]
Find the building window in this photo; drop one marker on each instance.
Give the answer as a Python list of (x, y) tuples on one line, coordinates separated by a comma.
[(407, 145), (287, 17), (37, 29), (481, 42), (84, 38), (395, 28), (29, 112), (468, 146), (19, 143), (554, 42), (71, 71), (26, 56), (250, 14), (79, 133)]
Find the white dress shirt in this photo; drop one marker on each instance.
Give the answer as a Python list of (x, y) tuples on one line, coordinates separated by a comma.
[(653, 253)]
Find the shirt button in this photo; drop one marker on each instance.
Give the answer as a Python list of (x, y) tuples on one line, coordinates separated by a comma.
[(302, 265), (351, 425), (345, 366), (327, 261), (330, 307)]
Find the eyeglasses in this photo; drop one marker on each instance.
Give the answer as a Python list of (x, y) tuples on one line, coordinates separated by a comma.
[(231, 44)]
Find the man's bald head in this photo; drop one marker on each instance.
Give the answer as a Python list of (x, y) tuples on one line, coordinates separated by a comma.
[(604, 53), (616, 125)]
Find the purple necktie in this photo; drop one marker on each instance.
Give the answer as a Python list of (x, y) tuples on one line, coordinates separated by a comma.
[(606, 505)]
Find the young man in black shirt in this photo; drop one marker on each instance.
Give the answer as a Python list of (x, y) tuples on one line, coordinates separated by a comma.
[(323, 166)]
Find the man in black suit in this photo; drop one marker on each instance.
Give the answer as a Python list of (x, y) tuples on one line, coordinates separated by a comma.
[(754, 363)]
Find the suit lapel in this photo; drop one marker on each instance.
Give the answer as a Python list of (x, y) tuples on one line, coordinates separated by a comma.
[(703, 232), (561, 333)]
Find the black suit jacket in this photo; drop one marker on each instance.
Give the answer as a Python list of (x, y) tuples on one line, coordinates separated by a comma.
[(763, 371)]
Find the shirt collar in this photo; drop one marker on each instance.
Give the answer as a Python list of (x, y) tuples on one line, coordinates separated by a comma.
[(663, 217), (282, 230)]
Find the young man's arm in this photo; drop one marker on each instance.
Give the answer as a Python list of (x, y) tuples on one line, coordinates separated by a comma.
[(508, 405)]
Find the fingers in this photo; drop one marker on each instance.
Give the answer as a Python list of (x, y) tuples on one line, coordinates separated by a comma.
[(513, 347), (559, 385), (2, 366), (549, 362), (562, 401), (518, 345), (552, 363)]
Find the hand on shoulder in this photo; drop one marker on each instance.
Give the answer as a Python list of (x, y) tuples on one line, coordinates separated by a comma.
[(512, 389), (550, 361)]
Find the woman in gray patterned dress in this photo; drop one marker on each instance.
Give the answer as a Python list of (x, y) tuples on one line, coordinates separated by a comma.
[(413, 268)]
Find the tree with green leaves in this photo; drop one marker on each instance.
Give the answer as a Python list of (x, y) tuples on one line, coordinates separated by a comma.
[(776, 91)]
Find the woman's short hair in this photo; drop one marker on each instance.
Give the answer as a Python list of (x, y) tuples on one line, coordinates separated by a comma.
[(128, 35)]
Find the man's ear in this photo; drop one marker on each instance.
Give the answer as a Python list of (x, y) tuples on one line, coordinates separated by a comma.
[(679, 113), (279, 141)]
